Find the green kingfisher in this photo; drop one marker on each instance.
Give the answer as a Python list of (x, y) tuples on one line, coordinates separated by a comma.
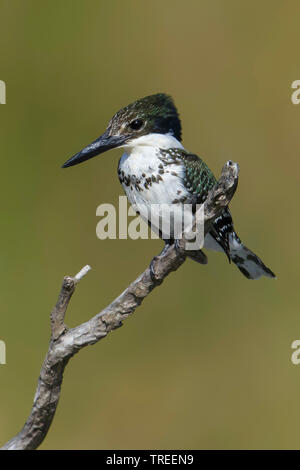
[(157, 169)]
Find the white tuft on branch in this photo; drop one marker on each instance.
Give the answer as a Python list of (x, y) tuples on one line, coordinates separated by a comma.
[(82, 273)]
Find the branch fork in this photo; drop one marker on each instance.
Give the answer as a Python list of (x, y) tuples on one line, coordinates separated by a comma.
[(65, 342)]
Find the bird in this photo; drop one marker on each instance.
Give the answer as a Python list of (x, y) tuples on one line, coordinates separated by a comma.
[(155, 168)]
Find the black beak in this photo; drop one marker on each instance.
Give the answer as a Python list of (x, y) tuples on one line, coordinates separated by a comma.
[(102, 144)]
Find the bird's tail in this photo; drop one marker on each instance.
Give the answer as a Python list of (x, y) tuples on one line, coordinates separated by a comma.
[(248, 263)]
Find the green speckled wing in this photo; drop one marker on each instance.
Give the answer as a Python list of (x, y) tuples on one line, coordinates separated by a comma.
[(198, 178)]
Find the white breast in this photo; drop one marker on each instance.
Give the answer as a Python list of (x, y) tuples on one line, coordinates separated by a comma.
[(142, 162)]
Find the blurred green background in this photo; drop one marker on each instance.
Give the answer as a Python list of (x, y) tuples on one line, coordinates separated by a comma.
[(205, 361)]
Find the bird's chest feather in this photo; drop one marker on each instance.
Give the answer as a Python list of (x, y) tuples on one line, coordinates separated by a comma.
[(147, 180)]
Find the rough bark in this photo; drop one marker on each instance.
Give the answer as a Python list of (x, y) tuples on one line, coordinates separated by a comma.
[(65, 342)]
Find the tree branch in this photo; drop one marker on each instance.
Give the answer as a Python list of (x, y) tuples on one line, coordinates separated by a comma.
[(66, 342)]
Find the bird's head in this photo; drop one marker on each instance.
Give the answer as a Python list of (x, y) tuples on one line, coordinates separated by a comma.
[(155, 114)]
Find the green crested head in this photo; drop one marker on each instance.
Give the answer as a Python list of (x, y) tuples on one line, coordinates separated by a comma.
[(151, 114), (155, 114)]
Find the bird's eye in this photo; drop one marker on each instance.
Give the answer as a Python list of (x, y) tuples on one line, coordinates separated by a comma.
[(136, 124)]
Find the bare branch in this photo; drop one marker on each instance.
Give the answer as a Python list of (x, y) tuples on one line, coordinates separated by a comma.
[(66, 342)]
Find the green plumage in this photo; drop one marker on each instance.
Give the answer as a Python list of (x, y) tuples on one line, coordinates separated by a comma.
[(157, 112), (198, 178)]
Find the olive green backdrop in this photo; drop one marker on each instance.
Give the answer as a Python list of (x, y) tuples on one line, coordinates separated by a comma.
[(205, 362)]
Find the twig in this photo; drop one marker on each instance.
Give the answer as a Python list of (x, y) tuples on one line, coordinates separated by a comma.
[(66, 342)]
